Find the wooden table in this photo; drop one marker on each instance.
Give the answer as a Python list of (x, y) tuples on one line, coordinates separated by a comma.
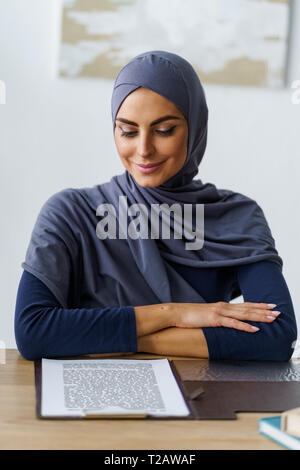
[(20, 429)]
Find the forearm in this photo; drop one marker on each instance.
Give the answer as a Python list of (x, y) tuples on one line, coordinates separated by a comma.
[(154, 318), (188, 342)]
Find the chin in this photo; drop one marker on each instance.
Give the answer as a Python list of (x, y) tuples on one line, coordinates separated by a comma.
[(148, 182)]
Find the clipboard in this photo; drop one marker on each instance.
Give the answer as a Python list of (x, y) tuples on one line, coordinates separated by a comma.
[(193, 395), (207, 398)]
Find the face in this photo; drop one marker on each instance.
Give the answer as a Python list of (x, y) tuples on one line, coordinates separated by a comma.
[(151, 130)]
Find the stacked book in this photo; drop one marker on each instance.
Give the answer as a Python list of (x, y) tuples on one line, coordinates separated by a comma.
[(283, 429)]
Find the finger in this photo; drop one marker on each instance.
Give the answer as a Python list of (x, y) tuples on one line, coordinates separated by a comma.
[(238, 325), (261, 305), (253, 315)]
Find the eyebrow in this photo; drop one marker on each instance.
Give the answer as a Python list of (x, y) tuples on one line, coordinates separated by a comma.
[(157, 121)]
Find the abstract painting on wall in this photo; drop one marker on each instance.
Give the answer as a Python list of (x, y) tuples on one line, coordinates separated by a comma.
[(232, 42)]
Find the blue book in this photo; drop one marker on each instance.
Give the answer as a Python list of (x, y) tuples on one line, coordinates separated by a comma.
[(270, 427)]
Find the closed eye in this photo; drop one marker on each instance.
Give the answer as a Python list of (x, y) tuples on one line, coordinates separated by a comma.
[(162, 133)]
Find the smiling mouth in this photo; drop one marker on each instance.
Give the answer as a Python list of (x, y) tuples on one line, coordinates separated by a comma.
[(149, 168)]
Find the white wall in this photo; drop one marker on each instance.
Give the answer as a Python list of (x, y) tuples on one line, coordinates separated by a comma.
[(57, 133)]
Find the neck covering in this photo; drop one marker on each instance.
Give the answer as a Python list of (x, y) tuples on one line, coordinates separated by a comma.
[(139, 271)]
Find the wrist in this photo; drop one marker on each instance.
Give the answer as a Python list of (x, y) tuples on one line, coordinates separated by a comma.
[(168, 312), (172, 313), (152, 318)]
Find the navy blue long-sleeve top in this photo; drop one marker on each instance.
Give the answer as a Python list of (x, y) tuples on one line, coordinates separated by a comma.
[(43, 328)]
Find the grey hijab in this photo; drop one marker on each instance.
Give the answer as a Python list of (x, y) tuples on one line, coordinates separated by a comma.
[(84, 270)]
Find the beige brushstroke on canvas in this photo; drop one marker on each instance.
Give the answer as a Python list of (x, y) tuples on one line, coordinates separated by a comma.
[(238, 71)]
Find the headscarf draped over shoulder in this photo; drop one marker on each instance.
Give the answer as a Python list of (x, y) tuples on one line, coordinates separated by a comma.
[(66, 249)]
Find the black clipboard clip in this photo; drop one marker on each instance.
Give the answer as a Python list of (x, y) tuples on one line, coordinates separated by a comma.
[(198, 392)]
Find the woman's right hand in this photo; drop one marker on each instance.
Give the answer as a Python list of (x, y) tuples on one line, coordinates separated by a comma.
[(199, 315)]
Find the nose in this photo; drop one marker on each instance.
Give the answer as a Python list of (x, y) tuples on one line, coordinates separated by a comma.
[(145, 147)]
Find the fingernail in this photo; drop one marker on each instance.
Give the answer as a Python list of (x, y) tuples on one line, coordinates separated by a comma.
[(272, 305), (276, 312), (270, 317), (254, 328)]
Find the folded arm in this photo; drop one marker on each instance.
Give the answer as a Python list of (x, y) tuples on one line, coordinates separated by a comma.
[(43, 328), (188, 342), (259, 282), (262, 281)]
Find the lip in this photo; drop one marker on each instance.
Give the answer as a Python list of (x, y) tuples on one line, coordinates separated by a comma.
[(148, 168)]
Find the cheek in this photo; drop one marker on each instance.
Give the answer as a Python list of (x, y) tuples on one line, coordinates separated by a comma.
[(176, 148), (125, 148)]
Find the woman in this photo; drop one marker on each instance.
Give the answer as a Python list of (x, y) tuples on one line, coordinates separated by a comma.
[(96, 281)]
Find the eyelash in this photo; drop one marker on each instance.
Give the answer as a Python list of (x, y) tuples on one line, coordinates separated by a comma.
[(162, 133)]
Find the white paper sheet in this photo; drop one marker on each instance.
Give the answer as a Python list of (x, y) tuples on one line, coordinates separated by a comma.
[(110, 386)]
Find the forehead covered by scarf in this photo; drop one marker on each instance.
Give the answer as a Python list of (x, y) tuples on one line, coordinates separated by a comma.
[(174, 78)]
